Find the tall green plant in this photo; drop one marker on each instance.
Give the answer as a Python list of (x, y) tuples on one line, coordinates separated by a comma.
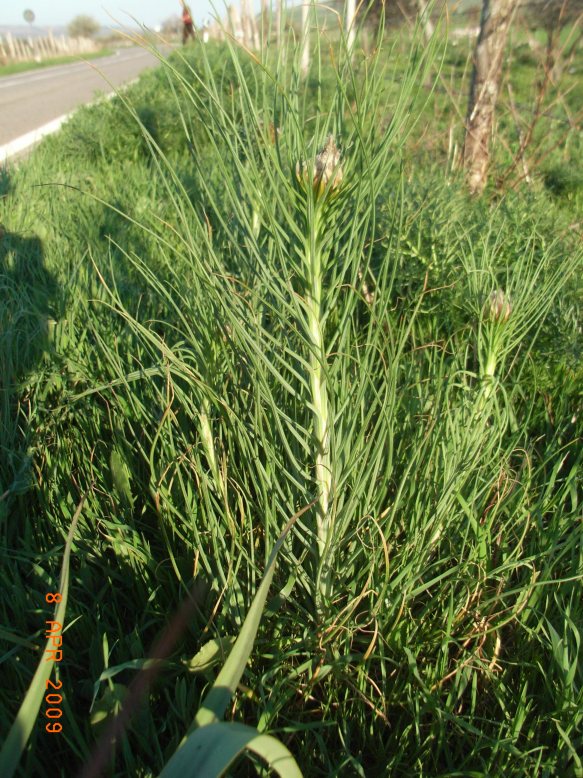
[(250, 342), (279, 244)]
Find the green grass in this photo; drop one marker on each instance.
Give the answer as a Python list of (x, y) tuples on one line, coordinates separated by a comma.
[(171, 290), (22, 67)]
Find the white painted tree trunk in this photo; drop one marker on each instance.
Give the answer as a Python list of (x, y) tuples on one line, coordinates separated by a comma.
[(350, 23), (425, 18), (234, 22), (278, 16), (265, 22), (246, 24), (254, 30), (486, 78), (305, 60)]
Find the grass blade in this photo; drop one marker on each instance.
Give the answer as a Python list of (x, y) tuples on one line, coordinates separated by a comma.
[(209, 751), (216, 701)]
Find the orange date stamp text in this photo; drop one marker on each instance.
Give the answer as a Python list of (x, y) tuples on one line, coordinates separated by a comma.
[(54, 652)]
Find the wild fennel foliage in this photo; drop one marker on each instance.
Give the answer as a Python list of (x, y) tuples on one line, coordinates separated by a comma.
[(449, 635)]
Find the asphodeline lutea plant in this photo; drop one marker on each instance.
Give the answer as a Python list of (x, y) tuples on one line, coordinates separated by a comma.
[(320, 181)]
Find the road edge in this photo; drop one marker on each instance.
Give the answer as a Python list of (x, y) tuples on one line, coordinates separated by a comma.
[(18, 145), (24, 142)]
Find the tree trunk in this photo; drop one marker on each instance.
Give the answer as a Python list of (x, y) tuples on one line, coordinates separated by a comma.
[(425, 17), (234, 25), (246, 24), (486, 79)]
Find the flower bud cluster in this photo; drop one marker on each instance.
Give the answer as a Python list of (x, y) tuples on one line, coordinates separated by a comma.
[(497, 307), (326, 173)]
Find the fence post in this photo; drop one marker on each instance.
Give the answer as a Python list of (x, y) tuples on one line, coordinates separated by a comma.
[(20, 47), (31, 49), (42, 44), (10, 44)]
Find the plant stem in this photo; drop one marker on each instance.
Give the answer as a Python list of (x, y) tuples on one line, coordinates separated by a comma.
[(319, 394)]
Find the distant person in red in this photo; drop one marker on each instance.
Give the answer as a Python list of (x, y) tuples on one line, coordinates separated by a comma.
[(187, 26)]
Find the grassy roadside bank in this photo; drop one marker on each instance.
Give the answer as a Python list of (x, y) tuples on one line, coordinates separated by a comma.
[(194, 337), (22, 67)]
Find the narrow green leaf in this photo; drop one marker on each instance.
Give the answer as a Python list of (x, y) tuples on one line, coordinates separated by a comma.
[(121, 478), (210, 654), (111, 672), (9, 637), (209, 751)]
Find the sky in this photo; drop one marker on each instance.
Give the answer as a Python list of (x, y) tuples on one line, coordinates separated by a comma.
[(60, 12)]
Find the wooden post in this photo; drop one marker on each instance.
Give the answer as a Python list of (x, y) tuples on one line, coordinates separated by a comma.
[(10, 44), (32, 47), (486, 77)]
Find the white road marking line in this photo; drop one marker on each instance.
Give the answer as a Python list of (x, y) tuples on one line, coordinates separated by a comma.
[(25, 74), (74, 67), (24, 142)]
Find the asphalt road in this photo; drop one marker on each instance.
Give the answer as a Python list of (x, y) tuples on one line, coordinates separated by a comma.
[(32, 99)]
